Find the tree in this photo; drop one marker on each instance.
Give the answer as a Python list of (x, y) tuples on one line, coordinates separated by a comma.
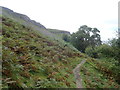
[(84, 37), (66, 38)]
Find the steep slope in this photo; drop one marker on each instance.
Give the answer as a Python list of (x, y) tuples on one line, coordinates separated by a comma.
[(19, 17), (25, 20), (32, 60), (33, 56)]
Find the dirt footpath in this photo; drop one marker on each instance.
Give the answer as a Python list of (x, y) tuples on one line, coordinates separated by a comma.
[(77, 76)]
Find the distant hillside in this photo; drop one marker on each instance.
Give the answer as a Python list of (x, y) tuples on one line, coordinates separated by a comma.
[(26, 21), (56, 31), (16, 16), (59, 33)]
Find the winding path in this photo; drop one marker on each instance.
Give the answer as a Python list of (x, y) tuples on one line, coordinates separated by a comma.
[(77, 76)]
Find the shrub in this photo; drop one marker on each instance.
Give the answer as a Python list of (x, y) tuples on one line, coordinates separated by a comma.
[(105, 51), (66, 38), (90, 51), (100, 51)]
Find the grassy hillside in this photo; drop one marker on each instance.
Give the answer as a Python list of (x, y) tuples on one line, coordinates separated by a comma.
[(31, 60), (33, 56), (25, 20), (31, 24), (100, 73)]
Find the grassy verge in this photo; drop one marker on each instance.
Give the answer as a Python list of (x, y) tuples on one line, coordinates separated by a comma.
[(99, 74)]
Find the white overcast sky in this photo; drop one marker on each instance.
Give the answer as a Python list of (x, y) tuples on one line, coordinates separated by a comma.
[(70, 14)]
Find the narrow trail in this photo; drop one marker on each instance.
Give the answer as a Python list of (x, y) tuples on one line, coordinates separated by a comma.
[(77, 76)]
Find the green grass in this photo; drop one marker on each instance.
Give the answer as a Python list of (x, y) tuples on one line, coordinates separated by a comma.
[(98, 74), (35, 57), (32, 60)]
